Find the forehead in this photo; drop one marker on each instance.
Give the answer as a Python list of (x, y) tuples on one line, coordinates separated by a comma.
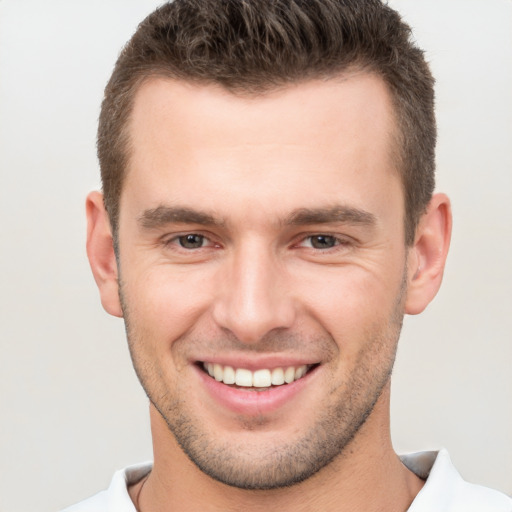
[(359, 98), (311, 139)]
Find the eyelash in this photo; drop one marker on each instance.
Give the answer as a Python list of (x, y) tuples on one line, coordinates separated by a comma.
[(176, 240), (337, 242)]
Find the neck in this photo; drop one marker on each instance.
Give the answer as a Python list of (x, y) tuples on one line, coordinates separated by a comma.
[(367, 476)]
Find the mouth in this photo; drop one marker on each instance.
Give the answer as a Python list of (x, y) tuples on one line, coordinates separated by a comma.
[(262, 379)]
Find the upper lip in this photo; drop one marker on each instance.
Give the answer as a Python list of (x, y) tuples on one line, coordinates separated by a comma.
[(258, 362)]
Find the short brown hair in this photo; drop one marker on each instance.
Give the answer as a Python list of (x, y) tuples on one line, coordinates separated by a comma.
[(253, 46)]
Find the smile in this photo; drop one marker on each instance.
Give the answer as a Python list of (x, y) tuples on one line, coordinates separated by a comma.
[(262, 379), (252, 388)]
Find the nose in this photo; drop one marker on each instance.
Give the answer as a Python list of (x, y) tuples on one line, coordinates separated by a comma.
[(253, 298)]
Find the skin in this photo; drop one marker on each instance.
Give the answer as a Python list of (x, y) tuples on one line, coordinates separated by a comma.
[(259, 291)]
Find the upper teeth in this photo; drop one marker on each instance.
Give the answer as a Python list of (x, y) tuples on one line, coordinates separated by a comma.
[(259, 379)]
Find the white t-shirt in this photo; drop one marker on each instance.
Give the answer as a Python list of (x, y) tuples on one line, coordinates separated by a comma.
[(444, 490)]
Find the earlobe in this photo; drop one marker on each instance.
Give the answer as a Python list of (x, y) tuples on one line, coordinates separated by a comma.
[(427, 257), (100, 251)]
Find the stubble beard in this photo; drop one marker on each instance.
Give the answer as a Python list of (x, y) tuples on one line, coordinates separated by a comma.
[(290, 463)]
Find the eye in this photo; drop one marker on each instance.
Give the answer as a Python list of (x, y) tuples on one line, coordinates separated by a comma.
[(188, 243), (191, 241), (321, 241)]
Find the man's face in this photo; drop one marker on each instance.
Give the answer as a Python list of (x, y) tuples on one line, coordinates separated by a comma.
[(260, 238)]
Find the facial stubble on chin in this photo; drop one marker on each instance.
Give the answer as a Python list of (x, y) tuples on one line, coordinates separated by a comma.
[(290, 463)]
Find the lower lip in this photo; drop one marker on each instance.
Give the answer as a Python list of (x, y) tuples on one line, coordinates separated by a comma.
[(250, 402)]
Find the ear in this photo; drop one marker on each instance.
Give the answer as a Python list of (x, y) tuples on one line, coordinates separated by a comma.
[(427, 257), (100, 250)]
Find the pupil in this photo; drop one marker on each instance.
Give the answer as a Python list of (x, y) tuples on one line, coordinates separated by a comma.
[(191, 241), (322, 241)]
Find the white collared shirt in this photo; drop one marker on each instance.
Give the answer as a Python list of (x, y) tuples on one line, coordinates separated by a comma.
[(444, 490)]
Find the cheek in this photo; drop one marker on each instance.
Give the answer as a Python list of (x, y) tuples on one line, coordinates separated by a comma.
[(167, 301), (354, 304)]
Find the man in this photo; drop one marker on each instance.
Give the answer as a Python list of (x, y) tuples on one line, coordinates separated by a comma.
[(267, 219)]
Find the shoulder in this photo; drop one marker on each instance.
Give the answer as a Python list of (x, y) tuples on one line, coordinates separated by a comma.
[(116, 497), (446, 491), (96, 503)]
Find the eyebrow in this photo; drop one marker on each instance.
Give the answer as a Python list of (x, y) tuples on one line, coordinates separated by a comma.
[(338, 213), (162, 215)]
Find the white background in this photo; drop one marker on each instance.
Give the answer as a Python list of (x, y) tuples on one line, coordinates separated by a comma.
[(71, 410)]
